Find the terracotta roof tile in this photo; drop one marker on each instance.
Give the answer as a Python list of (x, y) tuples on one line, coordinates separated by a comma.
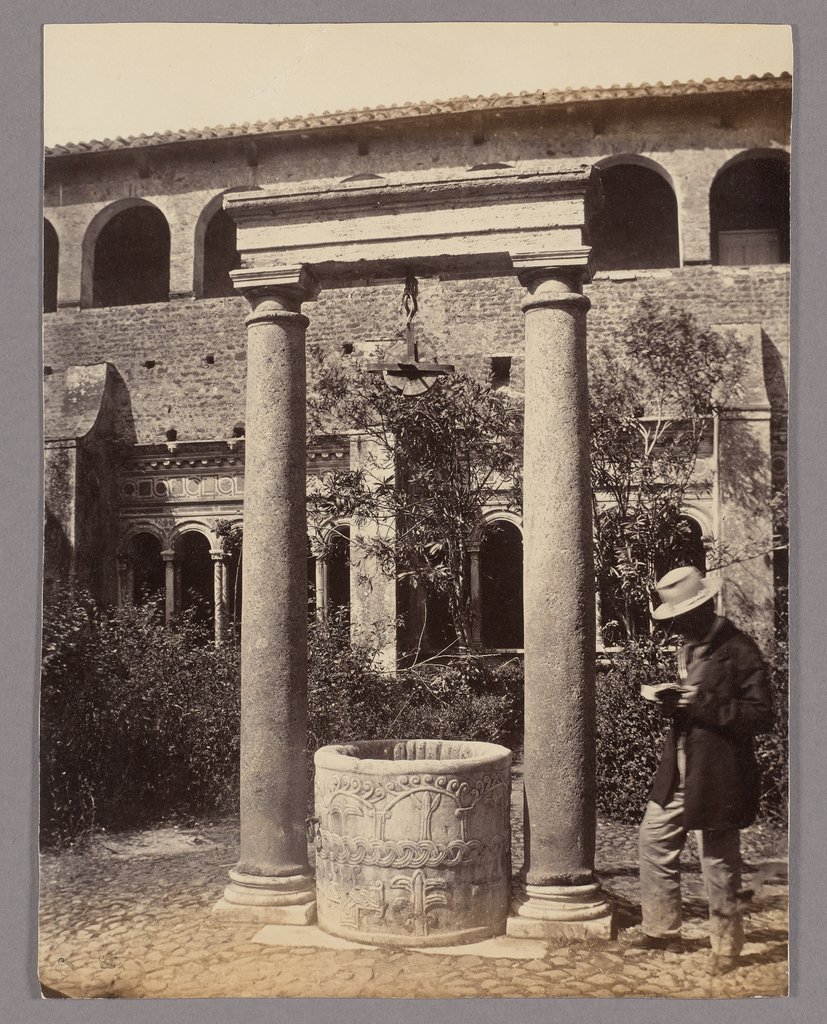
[(461, 104)]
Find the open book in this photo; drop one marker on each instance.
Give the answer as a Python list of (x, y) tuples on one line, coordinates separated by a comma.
[(656, 692)]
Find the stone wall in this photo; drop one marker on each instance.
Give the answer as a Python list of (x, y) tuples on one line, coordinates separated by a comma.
[(688, 140), (466, 321)]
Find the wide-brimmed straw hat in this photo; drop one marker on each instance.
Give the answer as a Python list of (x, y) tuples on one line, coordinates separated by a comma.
[(683, 589)]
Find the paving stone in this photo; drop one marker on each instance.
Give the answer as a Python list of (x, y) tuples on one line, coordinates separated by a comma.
[(168, 944)]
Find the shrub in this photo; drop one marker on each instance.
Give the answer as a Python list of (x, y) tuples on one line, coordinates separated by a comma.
[(629, 730), (138, 721), (772, 748), (347, 700)]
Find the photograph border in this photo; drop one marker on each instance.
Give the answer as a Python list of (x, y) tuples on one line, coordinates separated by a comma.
[(22, 507)]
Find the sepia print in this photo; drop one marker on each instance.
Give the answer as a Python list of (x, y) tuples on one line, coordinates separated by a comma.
[(415, 564)]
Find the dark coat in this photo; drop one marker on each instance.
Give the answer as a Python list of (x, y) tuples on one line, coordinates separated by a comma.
[(733, 703)]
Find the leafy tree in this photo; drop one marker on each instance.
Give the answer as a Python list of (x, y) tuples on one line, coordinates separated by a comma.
[(654, 386), (440, 459)]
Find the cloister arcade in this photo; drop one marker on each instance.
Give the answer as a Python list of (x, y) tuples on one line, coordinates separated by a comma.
[(638, 225)]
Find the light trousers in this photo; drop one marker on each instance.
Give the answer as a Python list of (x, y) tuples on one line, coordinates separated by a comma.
[(662, 838)]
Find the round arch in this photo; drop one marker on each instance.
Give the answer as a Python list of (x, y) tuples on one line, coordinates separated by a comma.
[(205, 272), (51, 260), (141, 526), (749, 209), (103, 219), (497, 515), (637, 160), (192, 526), (759, 153), (692, 548), (193, 547), (637, 226), (501, 582), (143, 551)]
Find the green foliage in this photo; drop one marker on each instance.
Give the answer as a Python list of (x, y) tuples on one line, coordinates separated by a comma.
[(629, 729), (439, 460), (652, 387), (138, 721), (772, 748), (348, 700)]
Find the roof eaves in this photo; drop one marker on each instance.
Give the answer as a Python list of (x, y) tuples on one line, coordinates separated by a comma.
[(408, 111)]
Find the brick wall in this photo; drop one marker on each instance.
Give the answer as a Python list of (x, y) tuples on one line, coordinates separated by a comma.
[(464, 321)]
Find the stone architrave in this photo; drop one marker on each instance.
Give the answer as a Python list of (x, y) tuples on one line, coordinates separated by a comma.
[(559, 896), (272, 882)]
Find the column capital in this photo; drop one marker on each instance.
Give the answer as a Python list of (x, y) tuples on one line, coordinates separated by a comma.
[(169, 555), (572, 266), (288, 285), (218, 554)]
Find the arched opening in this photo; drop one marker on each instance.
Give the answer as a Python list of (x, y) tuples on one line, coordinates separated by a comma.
[(749, 212), (338, 572), (131, 258), (687, 548), (220, 256), (197, 591), (147, 567), (621, 614), (636, 227), (51, 252), (501, 585)]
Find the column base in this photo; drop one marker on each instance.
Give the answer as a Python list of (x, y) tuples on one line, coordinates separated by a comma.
[(268, 899), (560, 912)]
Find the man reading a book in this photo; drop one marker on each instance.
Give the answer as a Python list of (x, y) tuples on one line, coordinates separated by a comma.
[(708, 779)]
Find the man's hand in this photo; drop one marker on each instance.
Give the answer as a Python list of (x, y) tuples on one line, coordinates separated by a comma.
[(669, 700)]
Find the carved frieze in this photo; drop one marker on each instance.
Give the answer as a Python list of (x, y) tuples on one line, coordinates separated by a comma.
[(207, 472), (435, 839)]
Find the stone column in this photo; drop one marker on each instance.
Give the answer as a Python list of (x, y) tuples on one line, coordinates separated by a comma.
[(320, 569), (170, 604), (129, 580), (476, 597), (176, 576), (272, 881), (219, 594), (559, 894), (124, 595)]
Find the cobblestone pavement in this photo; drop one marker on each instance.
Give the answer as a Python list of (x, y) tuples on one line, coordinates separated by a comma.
[(128, 916)]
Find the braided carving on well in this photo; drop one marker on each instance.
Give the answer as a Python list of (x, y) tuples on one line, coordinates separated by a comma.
[(419, 847)]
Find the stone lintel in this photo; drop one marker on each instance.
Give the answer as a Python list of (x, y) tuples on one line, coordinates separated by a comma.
[(466, 187), (296, 279), (464, 223)]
